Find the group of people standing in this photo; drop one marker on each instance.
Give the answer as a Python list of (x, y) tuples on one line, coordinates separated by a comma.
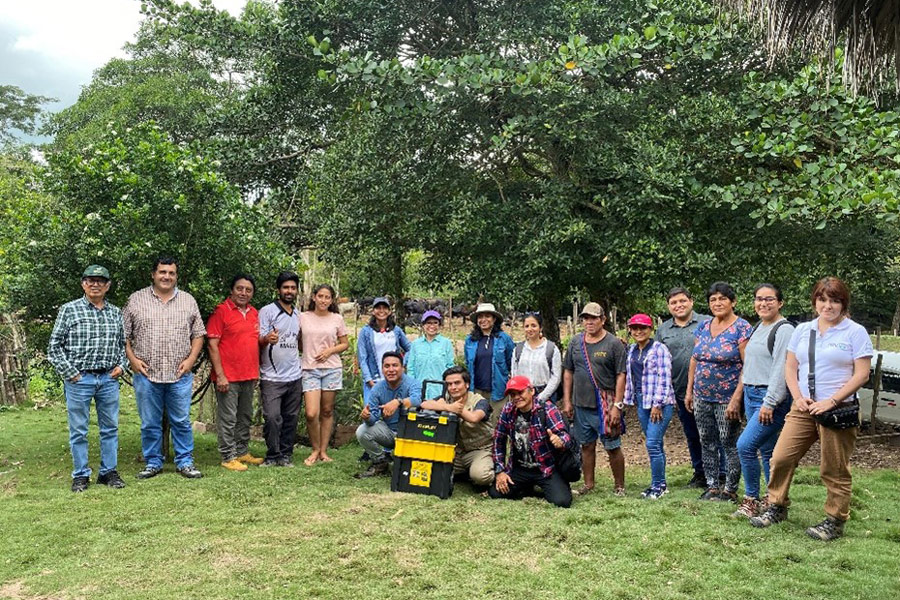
[(520, 404)]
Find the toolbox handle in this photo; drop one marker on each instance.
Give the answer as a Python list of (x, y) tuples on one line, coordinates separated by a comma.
[(443, 385)]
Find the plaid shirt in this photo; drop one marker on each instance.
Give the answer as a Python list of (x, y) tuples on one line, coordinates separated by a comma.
[(656, 383), (86, 338), (542, 413), (161, 332)]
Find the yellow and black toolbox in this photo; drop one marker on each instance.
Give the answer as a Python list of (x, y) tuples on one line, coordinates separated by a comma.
[(423, 452)]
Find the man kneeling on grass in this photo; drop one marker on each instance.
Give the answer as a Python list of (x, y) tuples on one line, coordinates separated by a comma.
[(381, 414), (535, 429), (475, 434)]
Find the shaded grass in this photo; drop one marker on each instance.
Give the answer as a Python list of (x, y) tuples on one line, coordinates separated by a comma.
[(318, 533)]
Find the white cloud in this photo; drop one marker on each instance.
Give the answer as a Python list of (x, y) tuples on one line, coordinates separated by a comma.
[(79, 35)]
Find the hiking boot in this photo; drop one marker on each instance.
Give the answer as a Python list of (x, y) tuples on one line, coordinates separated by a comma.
[(285, 461), (710, 494), (232, 465), (80, 484), (378, 467), (827, 530), (726, 496), (749, 508), (111, 479), (191, 472), (249, 459), (698, 481), (148, 472), (774, 513)]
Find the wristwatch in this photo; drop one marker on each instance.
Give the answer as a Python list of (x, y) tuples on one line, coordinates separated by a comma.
[(619, 405)]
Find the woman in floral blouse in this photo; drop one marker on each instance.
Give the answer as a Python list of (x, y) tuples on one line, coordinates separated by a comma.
[(714, 390)]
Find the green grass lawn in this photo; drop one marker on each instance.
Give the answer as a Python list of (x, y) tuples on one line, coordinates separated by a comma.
[(319, 533)]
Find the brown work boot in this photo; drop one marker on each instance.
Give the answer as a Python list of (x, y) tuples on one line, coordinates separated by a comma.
[(249, 459), (234, 465)]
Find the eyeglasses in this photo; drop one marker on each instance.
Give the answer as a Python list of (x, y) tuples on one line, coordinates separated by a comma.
[(766, 299), (94, 281)]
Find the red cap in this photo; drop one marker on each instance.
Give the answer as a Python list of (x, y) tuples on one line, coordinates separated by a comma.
[(640, 319), (517, 384)]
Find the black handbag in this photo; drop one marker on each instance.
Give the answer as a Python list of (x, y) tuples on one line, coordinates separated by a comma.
[(567, 460), (843, 416)]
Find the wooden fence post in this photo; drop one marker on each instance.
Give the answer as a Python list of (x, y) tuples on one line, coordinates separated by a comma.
[(876, 390)]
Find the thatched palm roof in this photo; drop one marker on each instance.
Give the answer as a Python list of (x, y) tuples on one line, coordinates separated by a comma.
[(869, 31)]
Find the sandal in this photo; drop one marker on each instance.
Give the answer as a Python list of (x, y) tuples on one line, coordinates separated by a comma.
[(584, 490)]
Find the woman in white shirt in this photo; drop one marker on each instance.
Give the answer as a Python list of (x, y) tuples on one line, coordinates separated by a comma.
[(842, 354), (538, 359)]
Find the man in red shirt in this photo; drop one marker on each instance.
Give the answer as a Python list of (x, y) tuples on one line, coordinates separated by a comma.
[(233, 332)]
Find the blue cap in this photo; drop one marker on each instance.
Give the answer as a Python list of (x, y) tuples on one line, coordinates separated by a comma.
[(381, 300)]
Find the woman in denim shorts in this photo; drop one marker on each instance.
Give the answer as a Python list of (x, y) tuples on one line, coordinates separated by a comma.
[(323, 338)]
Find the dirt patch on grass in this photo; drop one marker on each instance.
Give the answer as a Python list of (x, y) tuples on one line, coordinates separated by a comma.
[(226, 560), (15, 590)]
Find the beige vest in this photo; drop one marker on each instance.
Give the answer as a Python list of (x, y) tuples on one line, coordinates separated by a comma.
[(474, 436)]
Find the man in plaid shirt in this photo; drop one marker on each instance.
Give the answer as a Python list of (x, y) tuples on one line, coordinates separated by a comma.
[(87, 349), (532, 430), (164, 335)]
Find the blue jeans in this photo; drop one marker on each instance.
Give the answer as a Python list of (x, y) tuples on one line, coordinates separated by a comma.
[(175, 399), (654, 432), (758, 440), (105, 392)]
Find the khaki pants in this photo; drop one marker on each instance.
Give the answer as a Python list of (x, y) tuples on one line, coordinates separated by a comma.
[(478, 463), (800, 432)]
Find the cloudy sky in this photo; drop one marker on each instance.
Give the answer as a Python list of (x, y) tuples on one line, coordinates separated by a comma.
[(51, 47)]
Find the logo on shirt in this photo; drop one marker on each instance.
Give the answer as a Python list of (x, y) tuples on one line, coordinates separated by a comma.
[(842, 346), (600, 354)]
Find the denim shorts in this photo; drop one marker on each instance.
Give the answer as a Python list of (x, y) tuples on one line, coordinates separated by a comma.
[(329, 380), (587, 429)]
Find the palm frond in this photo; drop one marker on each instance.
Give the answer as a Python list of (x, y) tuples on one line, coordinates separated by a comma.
[(868, 29)]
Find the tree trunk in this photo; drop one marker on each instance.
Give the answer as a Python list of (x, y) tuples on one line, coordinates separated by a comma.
[(547, 306), (895, 322), (13, 363), (396, 285)]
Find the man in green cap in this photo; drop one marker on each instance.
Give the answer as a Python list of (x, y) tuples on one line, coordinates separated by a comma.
[(87, 349)]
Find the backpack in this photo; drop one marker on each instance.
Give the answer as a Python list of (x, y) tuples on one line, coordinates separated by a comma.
[(771, 341), (517, 352)]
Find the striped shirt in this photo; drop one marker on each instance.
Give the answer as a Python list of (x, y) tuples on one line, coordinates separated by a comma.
[(86, 338), (161, 332), (656, 381)]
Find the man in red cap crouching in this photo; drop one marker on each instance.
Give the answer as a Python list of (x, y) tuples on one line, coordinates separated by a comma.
[(533, 429)]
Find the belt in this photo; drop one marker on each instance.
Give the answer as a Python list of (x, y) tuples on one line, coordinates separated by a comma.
[(97, 371)]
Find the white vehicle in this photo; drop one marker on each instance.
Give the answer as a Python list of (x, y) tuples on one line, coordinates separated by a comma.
[(889, 396)]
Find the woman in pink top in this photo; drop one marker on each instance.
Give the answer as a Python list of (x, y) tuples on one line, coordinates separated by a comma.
[(323, 338)]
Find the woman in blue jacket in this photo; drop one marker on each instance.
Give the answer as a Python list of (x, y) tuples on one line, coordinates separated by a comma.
[(489, 352), (381, 335)]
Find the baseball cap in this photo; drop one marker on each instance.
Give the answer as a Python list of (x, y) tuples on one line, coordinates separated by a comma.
[(95, 271), (640, 319), (517, 384), (592, 309), (432, 314), (381, 300)]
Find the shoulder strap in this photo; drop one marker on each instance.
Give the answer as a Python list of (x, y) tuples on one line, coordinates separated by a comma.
[(517, 352), (771, 340), (811, 378), (587, 363), (549, 352)]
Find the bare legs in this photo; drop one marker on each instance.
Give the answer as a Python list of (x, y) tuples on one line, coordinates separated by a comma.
[(319, 422)]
